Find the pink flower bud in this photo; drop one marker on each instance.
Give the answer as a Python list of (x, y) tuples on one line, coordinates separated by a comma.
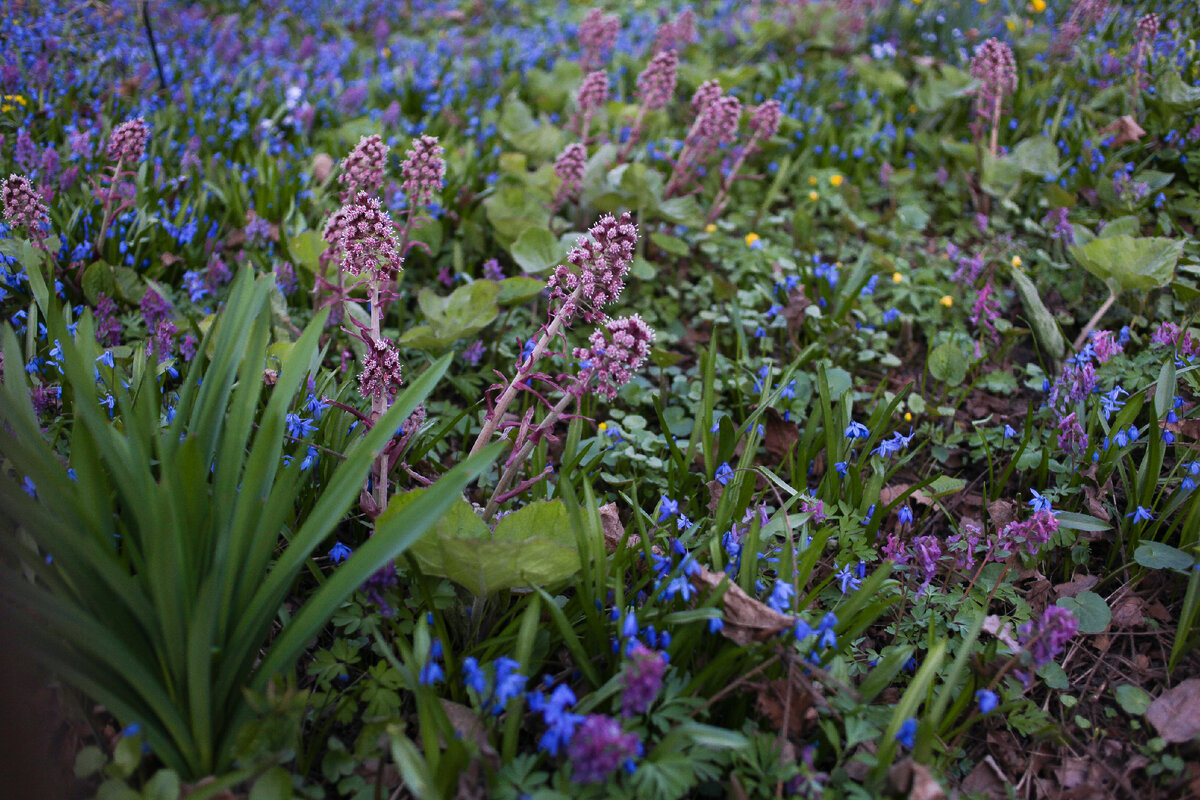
[(128, 141), (363, 168)]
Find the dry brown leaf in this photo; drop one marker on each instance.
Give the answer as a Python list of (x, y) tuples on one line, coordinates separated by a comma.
[(915, 781), (1001, 512), (889, 493), (986, 779), (1129, 613), (614, 531), (746, 619), (1176, 712), (1123, 130), (780, 435), (1078, 583), (773, 699)]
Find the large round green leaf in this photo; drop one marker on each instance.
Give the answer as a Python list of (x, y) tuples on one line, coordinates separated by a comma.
[(1130, 263)]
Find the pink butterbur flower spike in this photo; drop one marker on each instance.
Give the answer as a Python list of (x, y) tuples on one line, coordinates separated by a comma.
[(24, 208), (569, 168), (591, 97), (996, 70), (597, 35), (764, 124), (655, 87), (716, 121), (593, 277), (126, 146)]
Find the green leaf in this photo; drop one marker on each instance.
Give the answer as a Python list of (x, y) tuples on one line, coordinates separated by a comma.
[(913, 216), (1074, 521), (936, 91), (514, 291), (948, 363), (1044, 326), (274, 784), (1156, 555), (164, 785), (306, 249), (531, 547), (1130, 263), (1134, 700), (944, 485), (1036, 157), (536, 250), (97, 278), (671, 244), (1054, 676), (89, 761), (466, 311), (1090, 610), (1172, 92)]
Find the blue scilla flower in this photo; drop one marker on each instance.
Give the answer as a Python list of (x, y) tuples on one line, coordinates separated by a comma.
[(299, 427), (1140, 515), (1039, 502), (987, 701), (431, 674), (509, 683), (781, 597), (848, 580), (473, 676), (905, 515), (683, 523), (339, 552), (856, 430), (667, 508), (907, 735), (724, 473), (28, 486)]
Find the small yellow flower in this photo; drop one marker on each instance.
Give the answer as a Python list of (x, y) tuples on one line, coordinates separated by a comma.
[(908, 416), (836, 180), (916, 2), (897, 277), (603, 426), (813, 196), (751, 238), (1016, 261), (812, 180), (387, 52), (710, 228), (1038, 6), (5, 108), (947, 301), (912, 109), (1012, 26)]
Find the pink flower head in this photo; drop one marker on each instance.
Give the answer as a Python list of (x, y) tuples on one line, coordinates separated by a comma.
[(23, 206), (423, 171), (642, 678), (596, 265), (362, 171), (569, 168), (764, 122), (1106, 346), (593, 92), (613, 358), (679, 32), (128, 141), (381, 374), (927, 550), (717, 125), (1048, 636), (656, 84), (996, 70), (599, 747), (1147, 30), (366, 237), (705, 96), (597, 34)]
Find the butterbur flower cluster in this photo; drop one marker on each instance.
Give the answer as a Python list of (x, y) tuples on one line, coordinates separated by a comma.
[(1083, 16), (597, 34), (599, 747), (128, 141), (996, 70), (592, 94), (381, 375), (618, 349), (764, 122), (1045, 638), (705, 95), (362, 171), (642, 679), (676, 33), (423, 171), (656, 83), (23, 206), (366, 238), (596, 267), (569, 168)]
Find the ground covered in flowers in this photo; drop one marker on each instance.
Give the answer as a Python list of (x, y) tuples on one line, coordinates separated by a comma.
[(464, 399)]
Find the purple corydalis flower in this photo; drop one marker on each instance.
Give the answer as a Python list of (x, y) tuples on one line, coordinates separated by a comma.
[(599, 747), (108, 329), (1071, 437), (366, 237), (1166, 335), (569, 168), (23, 206), (927, 550), (492, 270), (597, 34), (1105, 346), (1059, 218), (1046, 637), (154, 308), (593, 92), (362, 171), (381, 374), (985, 311), (642, 678), (656, 83), (613, 358), (423, 170), (128, 141), (1034, 532)]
